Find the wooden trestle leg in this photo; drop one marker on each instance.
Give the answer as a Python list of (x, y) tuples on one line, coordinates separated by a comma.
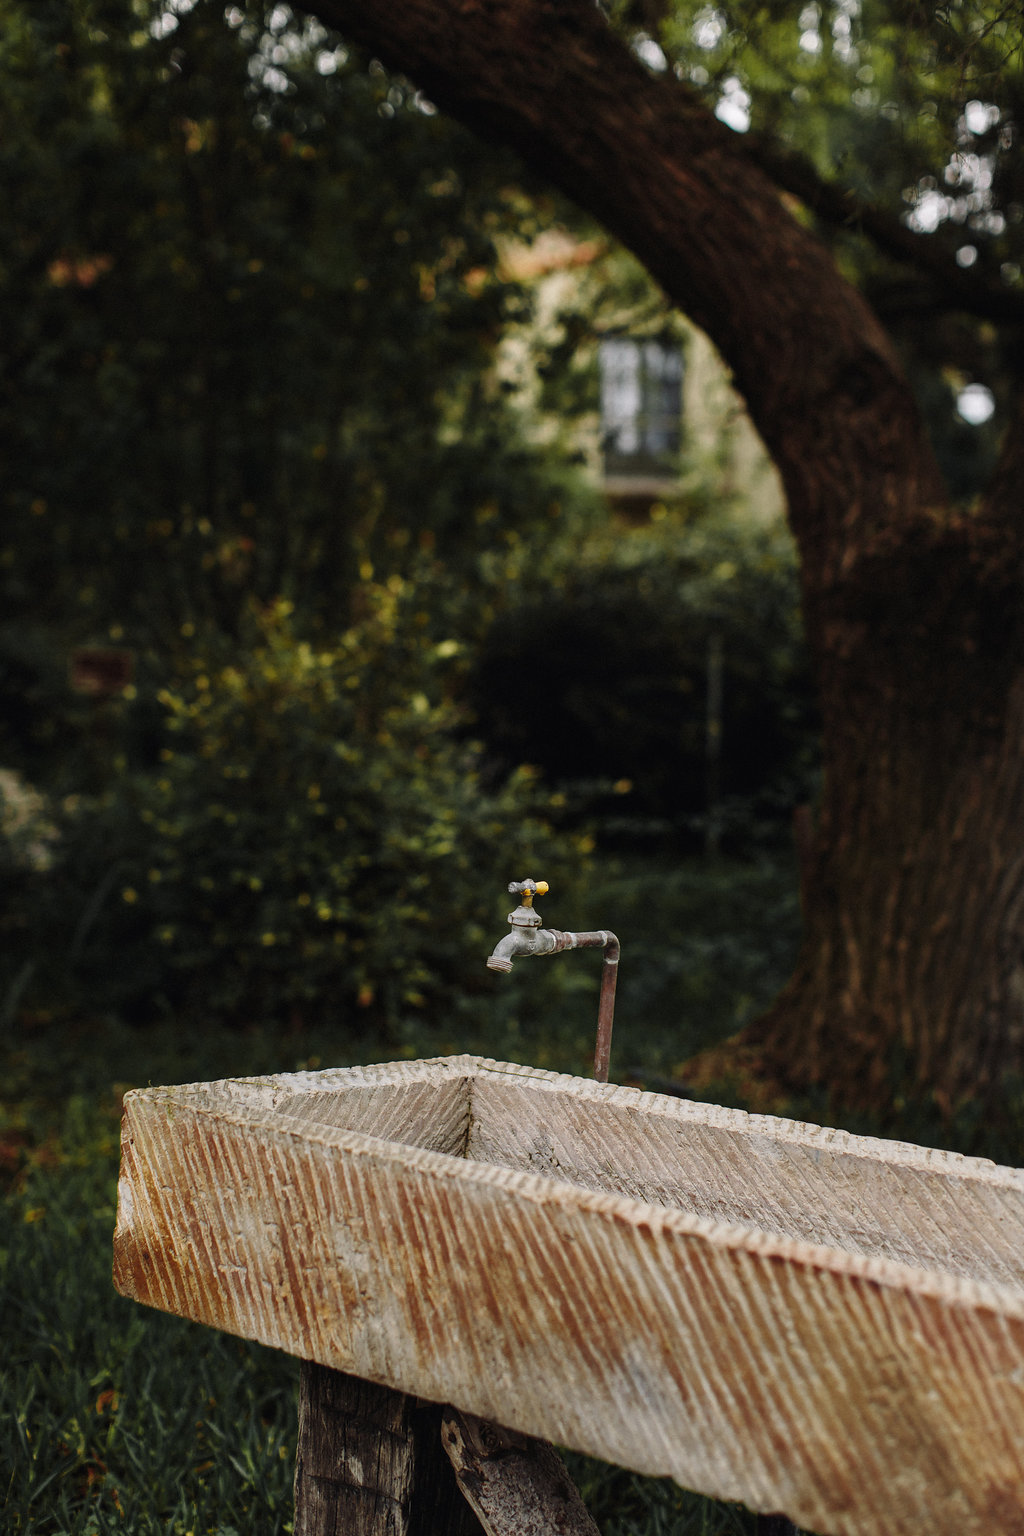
[(370, 1463), (374, 1462)]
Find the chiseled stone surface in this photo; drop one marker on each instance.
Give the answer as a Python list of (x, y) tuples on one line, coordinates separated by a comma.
[(802, 1319)]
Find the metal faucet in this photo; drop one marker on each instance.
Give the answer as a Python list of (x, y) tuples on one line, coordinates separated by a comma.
[(530, 937)]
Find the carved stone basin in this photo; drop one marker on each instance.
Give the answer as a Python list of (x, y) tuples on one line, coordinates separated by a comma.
[(813, 1322)]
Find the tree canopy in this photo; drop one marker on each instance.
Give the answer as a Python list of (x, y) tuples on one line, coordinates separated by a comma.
[(290, 353), (893, 131)]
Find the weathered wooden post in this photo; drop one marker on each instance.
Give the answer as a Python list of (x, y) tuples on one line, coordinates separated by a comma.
[(814, 1323), (370, 1462), (374, 1462)]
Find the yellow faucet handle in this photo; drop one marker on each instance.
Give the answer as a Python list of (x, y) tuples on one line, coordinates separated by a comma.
[(528, 889)]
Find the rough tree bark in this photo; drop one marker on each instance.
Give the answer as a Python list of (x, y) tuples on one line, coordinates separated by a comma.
[(912, 967)]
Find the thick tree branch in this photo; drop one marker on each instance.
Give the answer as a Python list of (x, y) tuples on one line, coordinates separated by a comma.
[(647, 158), (952, 287)]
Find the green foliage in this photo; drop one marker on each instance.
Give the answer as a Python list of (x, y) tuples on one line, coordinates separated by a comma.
[(895, 128), (250, 295), (871, 91), (707, 944), (257, 443), (624, 627), (314, 840)]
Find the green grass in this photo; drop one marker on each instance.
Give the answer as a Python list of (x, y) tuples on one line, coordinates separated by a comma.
[(117, 1418)]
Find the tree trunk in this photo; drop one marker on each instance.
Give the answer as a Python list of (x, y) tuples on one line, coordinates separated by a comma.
[(910, 979), (911, 971)]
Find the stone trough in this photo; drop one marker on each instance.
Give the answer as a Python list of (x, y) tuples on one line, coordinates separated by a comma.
[(812, 1322)]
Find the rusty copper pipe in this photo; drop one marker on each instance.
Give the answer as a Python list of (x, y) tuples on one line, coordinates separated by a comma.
[(606, 1009), (602, 939)]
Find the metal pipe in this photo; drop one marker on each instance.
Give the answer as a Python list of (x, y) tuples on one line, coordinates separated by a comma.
[(528, 937), (606, 1009)]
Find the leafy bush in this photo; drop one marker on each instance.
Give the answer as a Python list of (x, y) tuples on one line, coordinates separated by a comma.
[(250, 346), (314, 838), (624, 631)]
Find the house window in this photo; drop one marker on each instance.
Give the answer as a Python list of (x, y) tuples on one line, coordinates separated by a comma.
[(641, 404)]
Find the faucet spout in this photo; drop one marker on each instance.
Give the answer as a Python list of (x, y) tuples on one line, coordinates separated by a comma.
[(529, 937)]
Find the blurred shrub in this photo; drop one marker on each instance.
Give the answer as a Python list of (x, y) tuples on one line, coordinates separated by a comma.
[(252, 301), (314, 842), (251, 304), (621, 638)]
